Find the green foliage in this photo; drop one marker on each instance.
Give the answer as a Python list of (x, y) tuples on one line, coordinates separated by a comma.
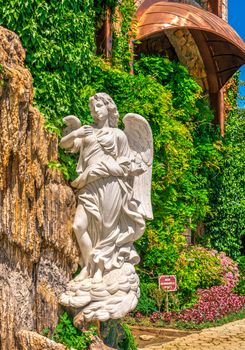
[(59, 42), (123, 19), (196, 268), (186, 152), (45, 331), (185, 91), (146, 304), (60, 167), (67, 334), (59, 39), (241, 264), (117, 335), (159, 296), (226, 224), (240, 287), (128, 342)]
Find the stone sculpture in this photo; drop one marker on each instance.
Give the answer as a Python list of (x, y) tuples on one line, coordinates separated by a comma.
[(114, 199)]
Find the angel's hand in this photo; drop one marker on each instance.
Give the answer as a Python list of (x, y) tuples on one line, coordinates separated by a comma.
[(77, 182), (138, 169), (85, 130), (144, 167)]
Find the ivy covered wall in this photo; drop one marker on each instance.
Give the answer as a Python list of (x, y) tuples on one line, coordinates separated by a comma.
[(225, 226)]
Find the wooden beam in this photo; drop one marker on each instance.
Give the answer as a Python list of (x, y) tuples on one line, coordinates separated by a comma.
[(108, 34), (221, 111), (215, 6)]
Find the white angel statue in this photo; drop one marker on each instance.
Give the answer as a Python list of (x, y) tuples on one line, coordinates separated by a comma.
[(114, 199)]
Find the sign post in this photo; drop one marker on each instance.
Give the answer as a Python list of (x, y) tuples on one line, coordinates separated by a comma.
[(169, 284)]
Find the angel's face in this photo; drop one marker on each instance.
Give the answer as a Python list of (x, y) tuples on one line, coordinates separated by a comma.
[(98, 109)]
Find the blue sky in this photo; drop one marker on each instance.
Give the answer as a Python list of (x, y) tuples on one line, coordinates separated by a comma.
[(236, 15)]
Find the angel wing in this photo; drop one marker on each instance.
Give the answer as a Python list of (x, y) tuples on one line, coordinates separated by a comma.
[(140, 141), (70, 144), (72, 123)]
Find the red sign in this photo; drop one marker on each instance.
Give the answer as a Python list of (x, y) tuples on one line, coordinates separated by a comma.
[(168, 282)]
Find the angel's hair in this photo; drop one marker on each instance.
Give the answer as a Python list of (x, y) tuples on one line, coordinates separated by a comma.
[(111, 107)]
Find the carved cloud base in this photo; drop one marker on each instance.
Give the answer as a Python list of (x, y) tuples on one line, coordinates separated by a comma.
[(112, 298)]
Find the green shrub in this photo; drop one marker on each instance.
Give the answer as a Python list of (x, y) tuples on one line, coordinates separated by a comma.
[(67, 334), (128, 342), (241, 264), (59, 42), (197, 267), (117, 335), (225, 224), (146, 304), (240, 287)]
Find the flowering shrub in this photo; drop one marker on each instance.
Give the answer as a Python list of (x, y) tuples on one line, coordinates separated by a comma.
[(230, 270), (202, 268), (197, 267), (155, 316), (138, 315), (214, 304)]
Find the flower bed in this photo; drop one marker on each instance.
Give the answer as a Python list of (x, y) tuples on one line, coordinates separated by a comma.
[(214, 304)]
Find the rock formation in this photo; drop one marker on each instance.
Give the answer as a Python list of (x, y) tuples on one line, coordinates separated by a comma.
[(38, 252)]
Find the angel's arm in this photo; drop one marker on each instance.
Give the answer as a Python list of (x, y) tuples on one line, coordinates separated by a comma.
[(67, 141)]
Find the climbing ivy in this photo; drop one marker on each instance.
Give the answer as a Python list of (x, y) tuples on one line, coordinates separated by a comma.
[(124, 31), (225, 224), (59, 40), (225, 228)]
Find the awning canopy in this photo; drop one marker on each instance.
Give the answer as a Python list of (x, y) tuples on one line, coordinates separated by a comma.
[(221, 48)]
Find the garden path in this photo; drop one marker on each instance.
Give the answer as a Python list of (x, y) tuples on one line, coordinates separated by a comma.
[(230, 336)]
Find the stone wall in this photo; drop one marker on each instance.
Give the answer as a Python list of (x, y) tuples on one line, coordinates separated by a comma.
[(188, 54), (38, 252), (224, 10)]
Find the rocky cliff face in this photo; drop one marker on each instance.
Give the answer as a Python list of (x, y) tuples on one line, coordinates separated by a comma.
[(38, 252)]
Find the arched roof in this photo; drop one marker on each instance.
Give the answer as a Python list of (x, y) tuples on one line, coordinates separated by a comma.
[(222, 50)]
